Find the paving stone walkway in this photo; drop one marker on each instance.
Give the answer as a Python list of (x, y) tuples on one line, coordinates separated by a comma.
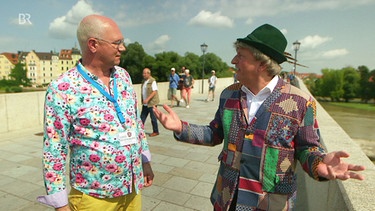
[(184, 173)]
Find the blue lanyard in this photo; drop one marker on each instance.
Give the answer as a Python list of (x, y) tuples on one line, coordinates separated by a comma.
[(105, 93)]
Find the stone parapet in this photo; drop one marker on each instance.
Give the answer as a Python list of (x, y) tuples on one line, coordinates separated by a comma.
[(337, 195)]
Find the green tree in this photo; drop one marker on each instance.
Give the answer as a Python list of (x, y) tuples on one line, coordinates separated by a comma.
[(331, 84), (351, 83), (19, 75), (310, 82), (371, 81), (133, 60), (318, 87), (7, 83), (191, 62), (364, 84), (213, 62), (163, 63)]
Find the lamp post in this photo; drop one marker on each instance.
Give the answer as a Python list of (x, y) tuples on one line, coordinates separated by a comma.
[(296, 45), (204, 49)]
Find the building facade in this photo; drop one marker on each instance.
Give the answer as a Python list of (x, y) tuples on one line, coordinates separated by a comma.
[(7, 63), (43, 67), (68, 58)]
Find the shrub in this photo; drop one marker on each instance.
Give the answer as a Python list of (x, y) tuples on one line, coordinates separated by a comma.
[(13, 89)]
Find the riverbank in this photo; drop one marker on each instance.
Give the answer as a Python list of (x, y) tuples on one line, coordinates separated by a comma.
[(368, 148), (357, 123)]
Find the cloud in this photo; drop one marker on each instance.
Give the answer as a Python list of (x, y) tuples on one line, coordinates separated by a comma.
[(313, 41), (209, 19), (249, 21), (335, 53), (65, 26), (127, 41), (160, 43), (284, 31), (250, 10)]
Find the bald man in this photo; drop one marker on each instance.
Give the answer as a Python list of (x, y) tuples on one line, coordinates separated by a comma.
[(92, 110)]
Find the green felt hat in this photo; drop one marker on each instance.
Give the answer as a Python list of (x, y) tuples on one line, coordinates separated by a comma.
[(269, 40)]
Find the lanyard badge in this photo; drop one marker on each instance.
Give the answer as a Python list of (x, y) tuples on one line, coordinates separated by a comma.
[(104, 92)]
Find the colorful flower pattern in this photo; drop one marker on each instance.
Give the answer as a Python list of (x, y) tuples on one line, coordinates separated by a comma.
[(79, 118)]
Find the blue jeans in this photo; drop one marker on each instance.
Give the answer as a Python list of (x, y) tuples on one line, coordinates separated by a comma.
[(145, 111)]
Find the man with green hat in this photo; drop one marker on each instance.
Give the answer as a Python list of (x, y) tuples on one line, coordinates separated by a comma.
[(266, 126)]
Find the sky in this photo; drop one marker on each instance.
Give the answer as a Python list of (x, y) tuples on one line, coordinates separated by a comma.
[(333, 33)]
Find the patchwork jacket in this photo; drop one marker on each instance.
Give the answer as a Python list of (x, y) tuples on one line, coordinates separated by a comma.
[(258, 159)]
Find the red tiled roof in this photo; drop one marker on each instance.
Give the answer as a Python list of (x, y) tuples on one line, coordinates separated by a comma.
[(65, 54), (12, 57)]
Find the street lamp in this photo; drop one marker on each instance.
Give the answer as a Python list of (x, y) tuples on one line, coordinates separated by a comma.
[(296, 45), (204, 49)]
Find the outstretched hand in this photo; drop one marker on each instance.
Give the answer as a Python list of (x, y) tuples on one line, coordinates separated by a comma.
[(333, 167), (170, 120)]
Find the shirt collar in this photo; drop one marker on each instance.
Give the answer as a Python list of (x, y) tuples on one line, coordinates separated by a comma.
[(93, 76), (266, 91)]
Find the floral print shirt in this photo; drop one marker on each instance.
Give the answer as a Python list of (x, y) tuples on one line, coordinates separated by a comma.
[(81, 120)]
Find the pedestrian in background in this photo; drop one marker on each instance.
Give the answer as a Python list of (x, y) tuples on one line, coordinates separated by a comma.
[(181, 83), (173, 84), (211, 86), (91, 111), (266, 126), (188, 85), (150, 98)]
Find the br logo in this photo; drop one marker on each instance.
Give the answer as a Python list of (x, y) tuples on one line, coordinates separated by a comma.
[(24, 18)]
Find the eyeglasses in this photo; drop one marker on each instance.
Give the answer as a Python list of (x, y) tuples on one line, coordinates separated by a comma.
[(116, 44)]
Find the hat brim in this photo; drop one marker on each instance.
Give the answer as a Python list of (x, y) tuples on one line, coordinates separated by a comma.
[(273, 54)]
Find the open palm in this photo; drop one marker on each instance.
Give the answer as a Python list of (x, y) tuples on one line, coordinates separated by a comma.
[(333, 167)]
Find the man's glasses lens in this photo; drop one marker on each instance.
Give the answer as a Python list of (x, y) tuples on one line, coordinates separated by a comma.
[(117, 44)]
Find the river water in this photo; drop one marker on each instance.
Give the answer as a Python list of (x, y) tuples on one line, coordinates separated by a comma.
[(358, 124)]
